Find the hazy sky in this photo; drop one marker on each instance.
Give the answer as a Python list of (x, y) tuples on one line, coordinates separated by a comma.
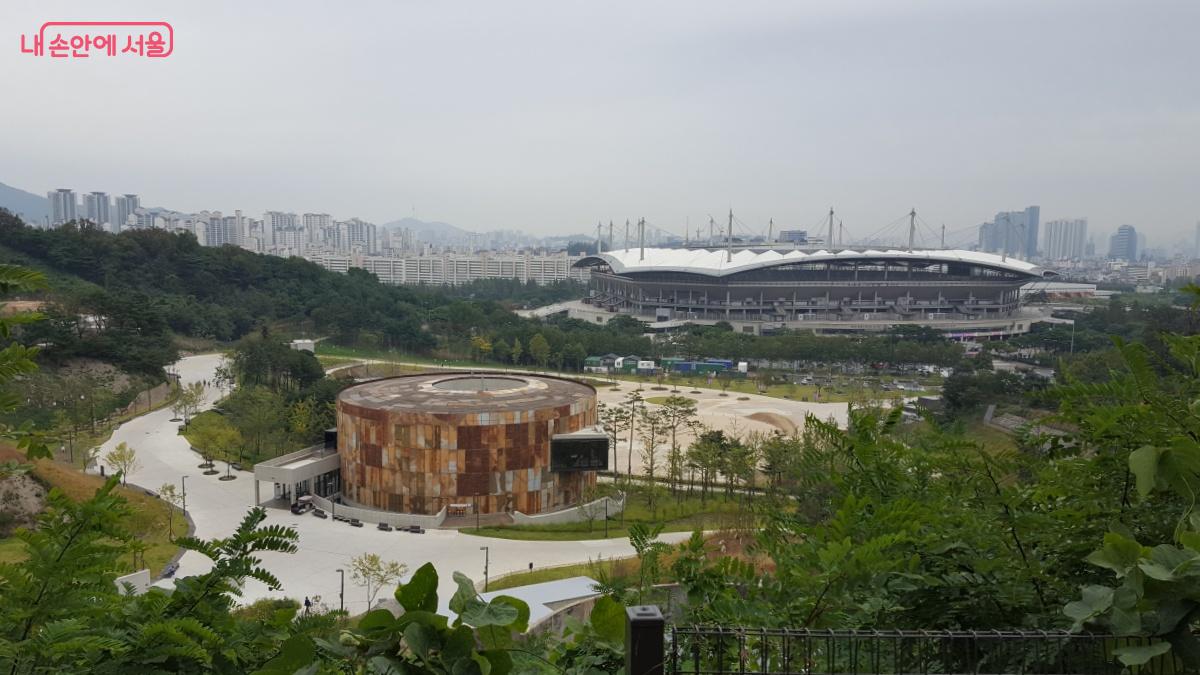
[(547, 116)]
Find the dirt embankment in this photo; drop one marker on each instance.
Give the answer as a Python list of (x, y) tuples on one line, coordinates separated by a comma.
[(22, 498), (776, 420)]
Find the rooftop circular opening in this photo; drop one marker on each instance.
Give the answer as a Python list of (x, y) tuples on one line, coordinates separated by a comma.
[(479, 383)]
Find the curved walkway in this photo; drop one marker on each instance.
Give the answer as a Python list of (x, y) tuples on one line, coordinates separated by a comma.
[(216, 508)]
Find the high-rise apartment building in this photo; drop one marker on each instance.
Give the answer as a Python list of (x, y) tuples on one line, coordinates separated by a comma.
[(126, 205), (355, 233), (274, 221), (97, 208), (1012, 233), (1065, 239), (62, 206), (1124, 244)]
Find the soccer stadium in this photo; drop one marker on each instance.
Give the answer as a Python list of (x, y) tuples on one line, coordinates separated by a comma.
[(967, 294)]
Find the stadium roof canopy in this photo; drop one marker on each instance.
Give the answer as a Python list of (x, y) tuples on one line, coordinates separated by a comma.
[(717, 263)]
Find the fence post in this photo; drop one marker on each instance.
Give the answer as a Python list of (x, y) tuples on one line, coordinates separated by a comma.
[(644, 653)]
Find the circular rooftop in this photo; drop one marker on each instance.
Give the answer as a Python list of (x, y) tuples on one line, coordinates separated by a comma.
[(461, 392)]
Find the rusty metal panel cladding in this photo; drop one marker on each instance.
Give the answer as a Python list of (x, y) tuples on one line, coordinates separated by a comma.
[(418, 443), (372, 454)]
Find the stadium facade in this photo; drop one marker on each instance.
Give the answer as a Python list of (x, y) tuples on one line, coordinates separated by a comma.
[(967, 294)]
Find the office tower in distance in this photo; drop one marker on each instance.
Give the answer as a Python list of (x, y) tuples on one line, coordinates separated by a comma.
[(1124, 244)]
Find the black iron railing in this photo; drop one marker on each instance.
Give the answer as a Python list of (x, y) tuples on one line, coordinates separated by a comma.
[(706, 650)]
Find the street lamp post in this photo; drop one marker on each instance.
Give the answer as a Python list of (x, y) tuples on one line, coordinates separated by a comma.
[(183, 482), (486, 560), (342, 590)]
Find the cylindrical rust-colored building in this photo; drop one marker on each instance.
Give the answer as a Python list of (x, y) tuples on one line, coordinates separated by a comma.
[(417, 443)]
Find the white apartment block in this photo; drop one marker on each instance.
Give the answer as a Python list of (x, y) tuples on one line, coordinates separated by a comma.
[(1065, 239), (126, 206), (97, 208), (63, 206), (455, 269)]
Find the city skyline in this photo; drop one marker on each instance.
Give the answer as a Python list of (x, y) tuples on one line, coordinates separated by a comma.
[(1019, 228), (492, 118)]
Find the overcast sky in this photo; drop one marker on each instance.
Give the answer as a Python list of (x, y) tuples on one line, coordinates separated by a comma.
[(549, 116)]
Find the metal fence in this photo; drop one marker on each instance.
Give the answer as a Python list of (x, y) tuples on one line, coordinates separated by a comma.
[(701, 650)]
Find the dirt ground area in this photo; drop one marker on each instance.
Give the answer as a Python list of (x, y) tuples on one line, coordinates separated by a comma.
[(740, 415)]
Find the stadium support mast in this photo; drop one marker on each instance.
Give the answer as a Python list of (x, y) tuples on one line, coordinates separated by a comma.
[(626, 234), (770, 230), (943, 236), (829, 241), (642, 238), (841, 233), (710, 229), (912, 228), (599, 241), (610, 239), (729, 239)]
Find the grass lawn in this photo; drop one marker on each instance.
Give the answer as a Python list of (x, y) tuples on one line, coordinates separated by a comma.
[(329, 361), (616, 567), (689, 514), (148, 520)]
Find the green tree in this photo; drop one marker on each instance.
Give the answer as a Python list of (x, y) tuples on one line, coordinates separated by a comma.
[(516, 351), (374, 572), (539, 350), (501, 351), (652, 433), (677, 415), (124, 459), (174, 500)]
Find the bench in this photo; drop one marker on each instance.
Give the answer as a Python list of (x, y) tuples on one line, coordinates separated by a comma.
[(355, 522), (319, 513), (385, 527)]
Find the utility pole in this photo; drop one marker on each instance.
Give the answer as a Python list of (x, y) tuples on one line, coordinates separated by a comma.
[(486, 561), (829, 241), (342, 591), (912, 228)]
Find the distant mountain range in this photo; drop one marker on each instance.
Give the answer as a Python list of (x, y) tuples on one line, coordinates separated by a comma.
[(31, 207), (434, 232)]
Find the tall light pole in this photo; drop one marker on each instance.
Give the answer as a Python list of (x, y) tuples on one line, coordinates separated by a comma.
[(486, 560), (183, 482), (342, 591)]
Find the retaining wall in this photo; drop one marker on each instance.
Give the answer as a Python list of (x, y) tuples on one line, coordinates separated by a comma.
[(574, 514), (374, 516)]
